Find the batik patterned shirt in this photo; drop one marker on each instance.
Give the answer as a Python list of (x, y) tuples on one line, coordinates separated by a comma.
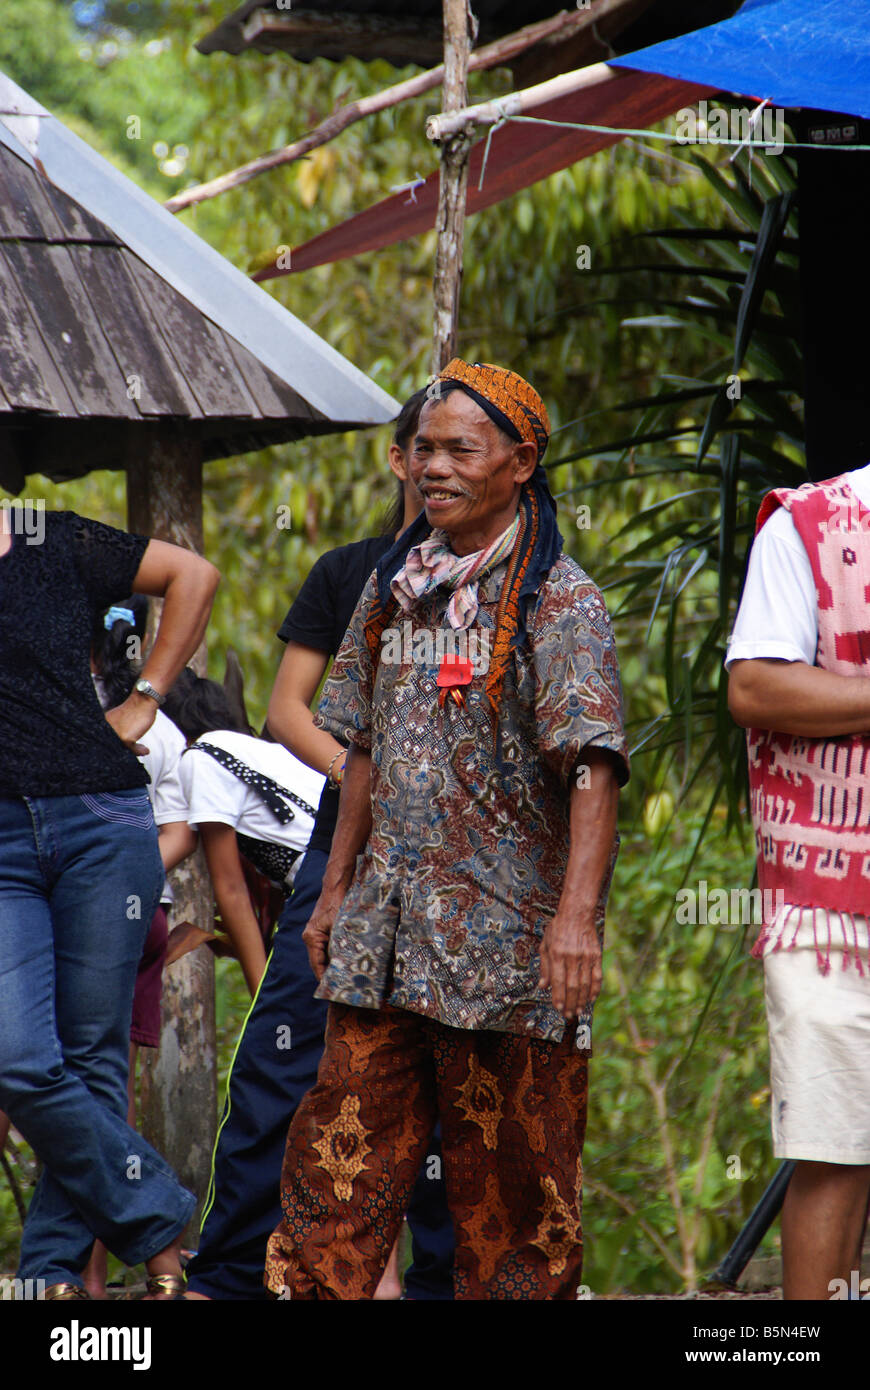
[(465, 862)]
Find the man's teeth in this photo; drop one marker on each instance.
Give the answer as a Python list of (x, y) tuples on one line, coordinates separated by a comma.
[(440, 496)]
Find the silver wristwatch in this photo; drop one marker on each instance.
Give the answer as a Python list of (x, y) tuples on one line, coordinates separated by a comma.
[(146, 688)]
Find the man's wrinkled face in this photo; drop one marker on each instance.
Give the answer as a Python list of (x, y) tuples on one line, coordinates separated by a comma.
[(467, 470)]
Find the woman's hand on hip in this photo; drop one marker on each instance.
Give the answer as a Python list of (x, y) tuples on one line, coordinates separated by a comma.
[(132, 719)]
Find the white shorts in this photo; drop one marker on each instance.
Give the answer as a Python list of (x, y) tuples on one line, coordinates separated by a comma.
[(819, 1027)]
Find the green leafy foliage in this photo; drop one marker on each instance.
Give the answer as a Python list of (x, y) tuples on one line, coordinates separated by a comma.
[(685, 479), (677, 1150)]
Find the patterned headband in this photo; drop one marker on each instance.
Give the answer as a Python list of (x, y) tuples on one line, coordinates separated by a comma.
[(510, 394)]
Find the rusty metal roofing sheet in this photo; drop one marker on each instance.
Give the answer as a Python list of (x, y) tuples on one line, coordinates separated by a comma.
[(402, 31)]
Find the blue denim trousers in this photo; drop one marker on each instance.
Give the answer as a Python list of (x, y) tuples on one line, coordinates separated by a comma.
[(80, 878)]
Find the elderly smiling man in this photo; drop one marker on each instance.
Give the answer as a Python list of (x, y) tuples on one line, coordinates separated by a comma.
[(462, 907)]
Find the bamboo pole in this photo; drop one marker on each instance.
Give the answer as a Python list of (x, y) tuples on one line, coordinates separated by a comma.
[(449, 124), (453, 181), (561, 26)]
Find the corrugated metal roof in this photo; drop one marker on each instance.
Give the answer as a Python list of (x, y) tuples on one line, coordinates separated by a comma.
[(403, 31), (410, 31), (115, 318)]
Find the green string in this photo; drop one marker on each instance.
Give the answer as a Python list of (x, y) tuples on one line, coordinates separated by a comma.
[(751, 142)]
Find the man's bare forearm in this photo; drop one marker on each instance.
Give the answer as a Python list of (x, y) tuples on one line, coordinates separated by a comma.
[(593, 829), (354, 823), (570, 957), (794, 698)]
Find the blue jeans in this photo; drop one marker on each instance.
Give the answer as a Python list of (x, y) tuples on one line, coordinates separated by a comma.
[(80, 878)]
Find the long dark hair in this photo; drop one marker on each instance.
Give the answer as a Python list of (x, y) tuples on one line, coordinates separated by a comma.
[(199, 706), (118, 659), (403, 432)]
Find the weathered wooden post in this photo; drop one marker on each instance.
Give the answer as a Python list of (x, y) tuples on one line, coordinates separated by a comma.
[(179, 1081), (450, 223)]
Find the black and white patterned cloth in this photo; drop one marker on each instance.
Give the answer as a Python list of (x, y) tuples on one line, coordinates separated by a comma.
[(273, 861), (270, 792)]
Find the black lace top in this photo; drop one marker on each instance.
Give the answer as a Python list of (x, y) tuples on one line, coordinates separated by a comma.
[(54, 739)]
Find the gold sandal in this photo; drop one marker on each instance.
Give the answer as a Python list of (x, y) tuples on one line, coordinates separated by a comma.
[(172, 1284), (65, 1291)]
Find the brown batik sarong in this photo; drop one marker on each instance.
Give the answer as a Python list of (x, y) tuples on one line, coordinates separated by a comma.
[(513, 1117)]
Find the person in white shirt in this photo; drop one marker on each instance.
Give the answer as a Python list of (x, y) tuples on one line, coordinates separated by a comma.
[(816, 958), (246, 796)]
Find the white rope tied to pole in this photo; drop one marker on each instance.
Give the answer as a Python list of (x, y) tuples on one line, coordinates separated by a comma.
[(503, 120)]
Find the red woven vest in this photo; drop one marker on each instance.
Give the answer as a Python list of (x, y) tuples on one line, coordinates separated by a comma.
[(810, 797)]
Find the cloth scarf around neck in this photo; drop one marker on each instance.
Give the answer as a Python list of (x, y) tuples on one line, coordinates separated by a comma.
[(433, 563), (539, 537)]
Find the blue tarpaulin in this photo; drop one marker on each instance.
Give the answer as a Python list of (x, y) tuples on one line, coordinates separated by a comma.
[(812, 53)]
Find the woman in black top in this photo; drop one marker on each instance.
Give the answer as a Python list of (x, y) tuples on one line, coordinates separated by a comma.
[(80, 877)]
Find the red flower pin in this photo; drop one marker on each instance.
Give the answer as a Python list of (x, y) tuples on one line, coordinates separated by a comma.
[(452, 673)]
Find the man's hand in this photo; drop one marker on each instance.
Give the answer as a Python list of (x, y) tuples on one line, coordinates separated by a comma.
[(319, 929), (571, 964), (351, 832), (132, 719), (570, 956)]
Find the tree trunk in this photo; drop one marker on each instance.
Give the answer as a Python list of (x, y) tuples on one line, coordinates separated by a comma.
[(178, 1088), (450, 223)]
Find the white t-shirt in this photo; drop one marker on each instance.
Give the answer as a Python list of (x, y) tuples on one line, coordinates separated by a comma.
[(213, 793), (165, 743), (778, 618)]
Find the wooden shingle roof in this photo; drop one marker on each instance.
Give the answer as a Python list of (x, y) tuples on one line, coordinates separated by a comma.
[(100, 340)]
